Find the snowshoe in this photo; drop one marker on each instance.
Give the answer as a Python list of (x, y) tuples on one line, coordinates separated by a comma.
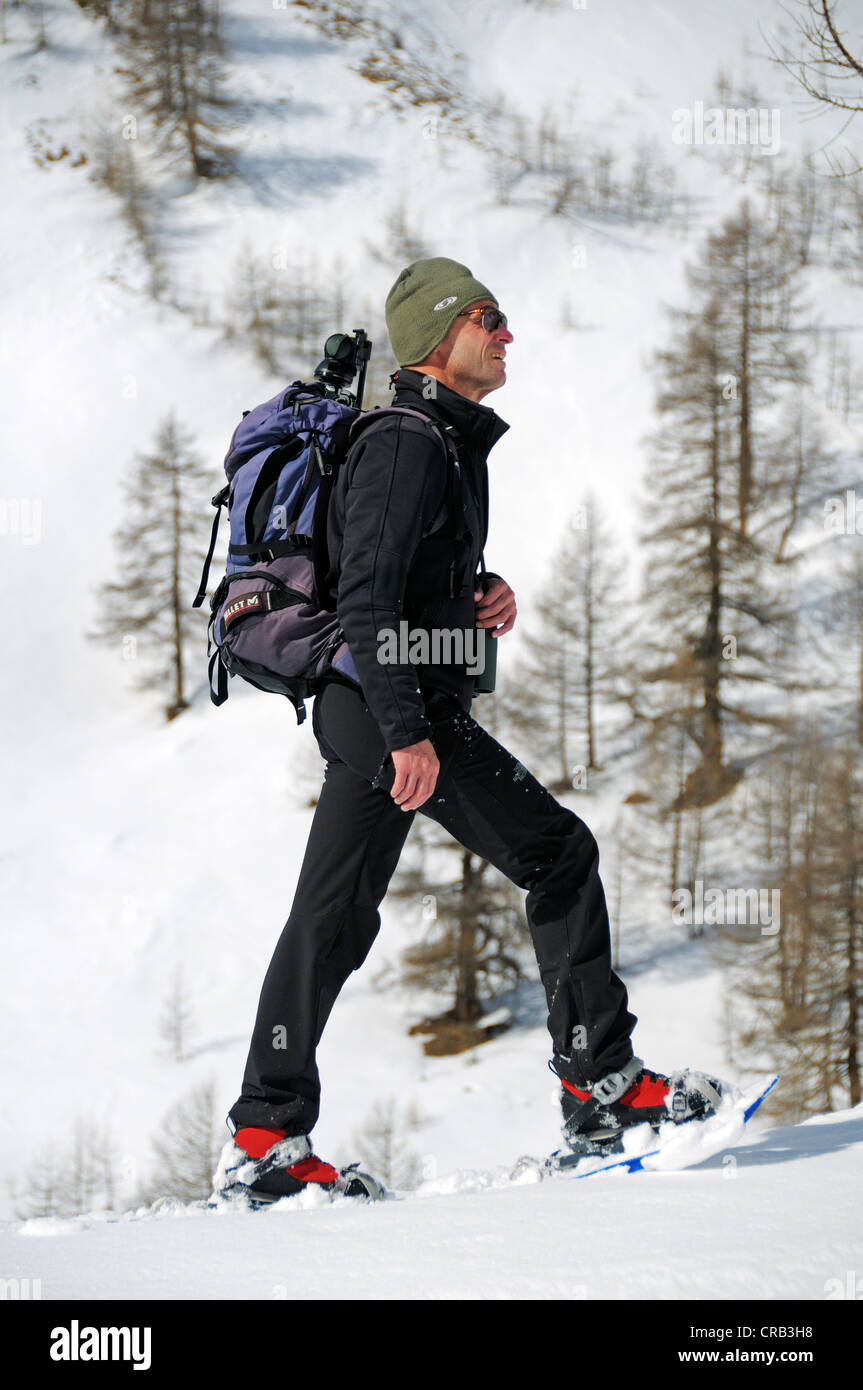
[(595, 1119), (260, 1166)]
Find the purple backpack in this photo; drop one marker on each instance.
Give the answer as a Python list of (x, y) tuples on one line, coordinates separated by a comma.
[(273, 623)]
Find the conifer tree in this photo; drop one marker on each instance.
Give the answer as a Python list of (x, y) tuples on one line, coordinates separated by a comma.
[(796, 991), (277, 306), (727, 486), (383, 1144), (574, 652), (175, 1020), (68, 1179), (176, 76), (187, 1148), (160, 551), (473, 931)]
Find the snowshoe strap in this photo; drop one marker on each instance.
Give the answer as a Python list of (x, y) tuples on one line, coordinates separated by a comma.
[(604, 1093), (691, 1094), (283, 1154), (617, 1083), (288, 1151)]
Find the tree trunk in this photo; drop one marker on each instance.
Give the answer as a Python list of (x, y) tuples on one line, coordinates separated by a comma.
[(711, 749), (466, 1008), (176, 597), (589, 631), (745, 463)]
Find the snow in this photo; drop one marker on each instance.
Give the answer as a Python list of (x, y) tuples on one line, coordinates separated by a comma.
[(617, 1236), (122, 852)]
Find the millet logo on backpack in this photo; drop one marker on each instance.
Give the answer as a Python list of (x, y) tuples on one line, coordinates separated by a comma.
[(248, 603), (445, 303)]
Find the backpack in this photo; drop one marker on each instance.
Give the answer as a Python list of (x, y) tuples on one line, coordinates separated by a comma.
[(272, 620)]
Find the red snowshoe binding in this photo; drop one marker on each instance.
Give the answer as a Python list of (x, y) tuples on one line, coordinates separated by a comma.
[(595, 1118), (261, 1166)]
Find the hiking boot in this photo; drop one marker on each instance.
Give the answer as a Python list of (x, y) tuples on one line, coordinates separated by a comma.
[(595, 1118), (598, 1114), (264, 1165)]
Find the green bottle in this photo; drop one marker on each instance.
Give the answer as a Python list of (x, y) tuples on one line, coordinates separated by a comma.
[(483, 684)]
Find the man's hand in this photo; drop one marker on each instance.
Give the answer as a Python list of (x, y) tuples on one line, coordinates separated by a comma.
[(416, 768), (496, 608)]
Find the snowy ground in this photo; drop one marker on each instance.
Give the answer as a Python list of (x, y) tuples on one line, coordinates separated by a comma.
[(113, 855), (773, 1219)]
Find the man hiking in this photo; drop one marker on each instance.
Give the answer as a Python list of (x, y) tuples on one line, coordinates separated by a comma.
[(406, 530)]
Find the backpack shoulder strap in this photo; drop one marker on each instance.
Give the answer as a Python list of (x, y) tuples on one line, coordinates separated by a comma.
[(448, 436), (445, 433)]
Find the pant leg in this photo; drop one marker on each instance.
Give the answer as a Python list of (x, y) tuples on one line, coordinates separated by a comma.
[(492, 805), (354, 845)]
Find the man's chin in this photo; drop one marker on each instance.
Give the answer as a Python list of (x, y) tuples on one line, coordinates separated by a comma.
[(497, 377)]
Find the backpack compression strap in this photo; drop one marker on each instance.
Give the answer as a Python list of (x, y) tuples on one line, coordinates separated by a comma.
[(219, 501)]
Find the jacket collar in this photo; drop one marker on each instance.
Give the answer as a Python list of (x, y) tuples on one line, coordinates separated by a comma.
[(477, 425)]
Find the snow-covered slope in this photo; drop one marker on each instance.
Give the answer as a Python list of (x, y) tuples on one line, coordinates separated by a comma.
[(113, 856), (743, 1225)]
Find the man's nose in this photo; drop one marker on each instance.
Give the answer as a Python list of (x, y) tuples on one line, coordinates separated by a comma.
[(504, 335)]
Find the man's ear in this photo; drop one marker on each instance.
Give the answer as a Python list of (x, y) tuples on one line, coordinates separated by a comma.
[(440, 355)]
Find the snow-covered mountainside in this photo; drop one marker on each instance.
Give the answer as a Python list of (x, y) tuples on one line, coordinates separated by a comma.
[(133, 847), (747, 1224)]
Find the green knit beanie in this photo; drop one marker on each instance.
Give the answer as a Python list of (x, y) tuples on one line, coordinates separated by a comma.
[(424, 302)]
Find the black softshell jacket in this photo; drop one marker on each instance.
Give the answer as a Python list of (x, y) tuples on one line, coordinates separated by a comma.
[(402, 533)]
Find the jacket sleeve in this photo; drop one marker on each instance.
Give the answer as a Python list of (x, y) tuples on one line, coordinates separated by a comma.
[(396, 478)]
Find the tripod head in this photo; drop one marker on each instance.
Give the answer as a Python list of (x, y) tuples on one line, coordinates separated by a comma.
[(344, 357)]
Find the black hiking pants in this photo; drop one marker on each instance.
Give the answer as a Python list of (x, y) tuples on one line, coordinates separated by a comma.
[(493, 806)]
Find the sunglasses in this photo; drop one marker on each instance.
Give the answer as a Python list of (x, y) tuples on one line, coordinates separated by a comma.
[(487, 315)]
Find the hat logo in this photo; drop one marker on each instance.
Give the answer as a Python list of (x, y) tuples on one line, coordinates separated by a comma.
[(444, 303)]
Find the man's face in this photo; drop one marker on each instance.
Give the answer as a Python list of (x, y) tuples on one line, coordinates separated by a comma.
[(471, 361)]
